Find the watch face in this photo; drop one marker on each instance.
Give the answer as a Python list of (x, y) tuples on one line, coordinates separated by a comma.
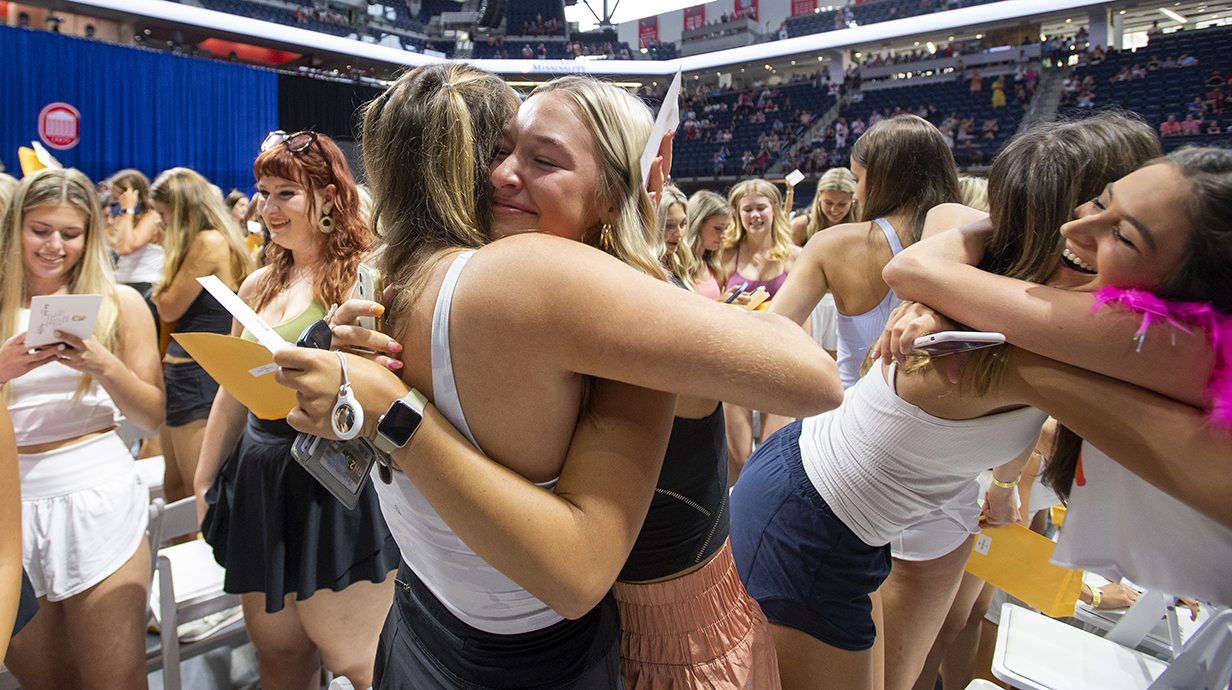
[(399, 423)]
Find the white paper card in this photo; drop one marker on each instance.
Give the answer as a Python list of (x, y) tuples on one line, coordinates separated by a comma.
[(982, 544), (74, 314), (794, 177), (669, 118), (265, 335), (263, 370)]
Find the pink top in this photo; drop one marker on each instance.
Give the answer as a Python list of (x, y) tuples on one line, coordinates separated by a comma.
[(709, 288)]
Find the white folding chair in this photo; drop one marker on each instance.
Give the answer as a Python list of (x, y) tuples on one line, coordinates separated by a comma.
[(1035, 652), (188, 587)]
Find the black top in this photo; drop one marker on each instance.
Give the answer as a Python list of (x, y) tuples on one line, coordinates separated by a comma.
[(204, 315), (688, 518)]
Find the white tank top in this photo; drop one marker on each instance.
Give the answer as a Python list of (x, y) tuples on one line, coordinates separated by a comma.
[(142, 266), (1118, 525), (41, 403), (856, 334), (472, 590), (882, 463)]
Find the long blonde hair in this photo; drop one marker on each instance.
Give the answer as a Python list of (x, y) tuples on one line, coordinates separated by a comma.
[(90, 275), (679, 262), (195, 206), (703, 206), (834, 180), (620, 126), (780, 227)]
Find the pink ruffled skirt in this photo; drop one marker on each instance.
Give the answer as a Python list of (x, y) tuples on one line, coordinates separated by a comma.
[(701, 630)]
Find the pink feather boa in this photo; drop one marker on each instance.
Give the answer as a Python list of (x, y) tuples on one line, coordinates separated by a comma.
[(1185, 315)]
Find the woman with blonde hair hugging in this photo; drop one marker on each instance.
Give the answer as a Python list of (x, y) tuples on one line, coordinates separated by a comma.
[(757, 253), (84, 508), (200, 240), (709, 217), (834, 204), (543, 325)]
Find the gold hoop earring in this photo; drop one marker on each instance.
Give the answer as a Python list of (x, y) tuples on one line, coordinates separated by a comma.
[(606, 240), (326, 223)]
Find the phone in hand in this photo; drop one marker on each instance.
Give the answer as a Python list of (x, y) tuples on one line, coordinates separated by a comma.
[(369, 286), (739, 291), (952, 342)]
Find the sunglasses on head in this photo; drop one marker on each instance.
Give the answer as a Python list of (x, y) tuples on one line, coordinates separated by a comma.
[(295, 143)]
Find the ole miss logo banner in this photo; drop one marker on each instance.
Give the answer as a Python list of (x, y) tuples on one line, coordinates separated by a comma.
[(799, 7), (747, 8)]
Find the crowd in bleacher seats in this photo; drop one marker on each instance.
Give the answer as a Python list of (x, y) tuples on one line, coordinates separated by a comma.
[(862, 14), (1184, 105), (323, 14)]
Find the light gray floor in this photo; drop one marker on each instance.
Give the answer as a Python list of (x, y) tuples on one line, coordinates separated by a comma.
[(220, 669)]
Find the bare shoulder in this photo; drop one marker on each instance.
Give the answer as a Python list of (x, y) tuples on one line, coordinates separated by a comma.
[(129, 299), (948, 216), (252, 282)]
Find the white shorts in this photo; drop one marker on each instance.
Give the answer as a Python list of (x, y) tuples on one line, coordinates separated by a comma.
[(943, 530), (84, 513), (825, 323)]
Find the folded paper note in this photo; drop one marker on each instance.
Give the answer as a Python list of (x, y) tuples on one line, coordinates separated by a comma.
[(75, 314)]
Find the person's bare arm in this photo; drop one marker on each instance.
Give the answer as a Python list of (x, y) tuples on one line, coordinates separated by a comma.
[(1169, 444), (132, 232), (225, 423), (806, 283), (940, 272), (10, 535), (207, 255), (614, 323)]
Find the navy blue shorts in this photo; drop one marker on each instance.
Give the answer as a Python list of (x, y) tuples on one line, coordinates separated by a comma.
[(806, 568)]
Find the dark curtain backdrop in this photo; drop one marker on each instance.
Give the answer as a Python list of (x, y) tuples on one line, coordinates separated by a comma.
[(322, 106), (139, 108)]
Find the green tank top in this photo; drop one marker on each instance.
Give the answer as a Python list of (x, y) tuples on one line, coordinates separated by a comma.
[(290, 330)]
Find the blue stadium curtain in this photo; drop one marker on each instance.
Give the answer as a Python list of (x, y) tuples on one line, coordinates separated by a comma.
[(139, 108)]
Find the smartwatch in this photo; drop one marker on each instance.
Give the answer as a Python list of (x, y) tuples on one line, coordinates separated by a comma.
[(398, 424)]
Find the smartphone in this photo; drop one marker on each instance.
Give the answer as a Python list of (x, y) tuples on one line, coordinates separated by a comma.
[(739, 291), (369, 286), (951, 342), (342, 467)]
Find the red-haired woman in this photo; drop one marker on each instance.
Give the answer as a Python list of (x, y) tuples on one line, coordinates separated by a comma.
[(313, 575)]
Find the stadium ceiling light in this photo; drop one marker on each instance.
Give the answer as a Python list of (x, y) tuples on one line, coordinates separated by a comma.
[(932, 48), (1173, 15)]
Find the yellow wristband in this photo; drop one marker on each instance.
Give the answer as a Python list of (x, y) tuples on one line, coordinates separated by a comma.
[(1005, 485), (1096, 596)]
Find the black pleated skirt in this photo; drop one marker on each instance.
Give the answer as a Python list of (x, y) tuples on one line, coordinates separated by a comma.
[(277, 530)]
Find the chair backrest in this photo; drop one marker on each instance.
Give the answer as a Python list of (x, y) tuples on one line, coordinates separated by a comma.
[(1206, 660), (180, 519)]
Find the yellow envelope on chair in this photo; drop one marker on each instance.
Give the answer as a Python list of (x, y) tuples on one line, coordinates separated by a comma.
[(1015, 559), (244, 368)]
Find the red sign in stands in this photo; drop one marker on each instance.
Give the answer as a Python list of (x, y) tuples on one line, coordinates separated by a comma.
[(747, 8), (647, 31), (799, 7), (695, 17), (59, 126)]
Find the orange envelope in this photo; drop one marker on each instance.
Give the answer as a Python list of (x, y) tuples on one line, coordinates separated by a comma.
[(244, 368), (1016, 559)]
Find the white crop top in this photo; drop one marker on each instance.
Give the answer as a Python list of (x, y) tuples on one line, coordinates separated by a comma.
[(881, 463), (1119, 525), (41, 403), (856, 334), (475, 592)]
